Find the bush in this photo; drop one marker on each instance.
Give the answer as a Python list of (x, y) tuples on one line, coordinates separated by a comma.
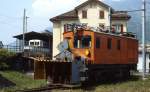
[(5, 56)]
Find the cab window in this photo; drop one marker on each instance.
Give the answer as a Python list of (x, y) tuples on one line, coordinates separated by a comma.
[(98, 42), (82, 42)]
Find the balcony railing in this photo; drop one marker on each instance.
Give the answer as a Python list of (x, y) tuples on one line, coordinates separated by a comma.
[(105, 29), (30, 51)]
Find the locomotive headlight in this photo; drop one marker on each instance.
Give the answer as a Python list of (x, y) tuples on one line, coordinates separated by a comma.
[(87, 52)]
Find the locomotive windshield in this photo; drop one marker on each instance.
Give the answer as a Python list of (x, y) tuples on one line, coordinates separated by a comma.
[(82, 42)]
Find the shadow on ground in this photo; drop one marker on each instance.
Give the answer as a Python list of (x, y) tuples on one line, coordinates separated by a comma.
[(5, 82), (90, 86)]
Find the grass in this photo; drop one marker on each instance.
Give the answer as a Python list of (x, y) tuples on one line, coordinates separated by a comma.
[(19, 81), (133, 85), (22, 81), (128, 86)]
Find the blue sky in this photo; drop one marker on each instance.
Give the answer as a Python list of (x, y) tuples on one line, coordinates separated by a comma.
[(40, 11), (11, 18)]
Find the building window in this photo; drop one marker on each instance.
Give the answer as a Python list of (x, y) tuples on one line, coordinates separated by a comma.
[(36, 43), (84, 14), (118, 44), (31, 43), (98, 42), (67, 27), (117, 28), (101, 14), (109, 43)]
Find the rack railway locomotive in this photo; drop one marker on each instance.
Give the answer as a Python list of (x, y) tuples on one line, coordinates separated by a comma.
[(87, 55)]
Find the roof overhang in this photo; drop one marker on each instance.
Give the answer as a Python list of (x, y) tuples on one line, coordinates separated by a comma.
[(73, 14), (34, 35)]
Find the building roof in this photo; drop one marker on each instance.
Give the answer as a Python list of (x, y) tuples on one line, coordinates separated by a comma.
[(73, 14), (120, 15), (89, 1), (68, 15), (45, 36)]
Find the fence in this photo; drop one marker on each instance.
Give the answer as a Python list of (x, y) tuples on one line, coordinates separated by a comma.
[(15, 49), (30, 51)]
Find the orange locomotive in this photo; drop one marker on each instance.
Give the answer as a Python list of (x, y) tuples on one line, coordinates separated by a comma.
[(103, 48), (103, 52), (93, 54)]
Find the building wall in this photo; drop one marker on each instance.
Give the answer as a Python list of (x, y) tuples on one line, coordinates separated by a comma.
[(58, 29), (92, 20), (121, 22), (56, 37)]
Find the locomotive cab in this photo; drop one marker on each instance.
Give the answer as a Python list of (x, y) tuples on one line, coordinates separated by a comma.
[(80, 43)]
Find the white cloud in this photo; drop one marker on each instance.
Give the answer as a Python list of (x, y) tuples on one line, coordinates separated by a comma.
[(53, 7), (42, 10)]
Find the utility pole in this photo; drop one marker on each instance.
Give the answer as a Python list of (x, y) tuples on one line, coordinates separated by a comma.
[(24, 29), (26, 25), (143, 37), (109, 19)]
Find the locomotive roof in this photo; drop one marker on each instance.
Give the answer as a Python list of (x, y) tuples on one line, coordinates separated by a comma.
[(117, 35), (123, 35)]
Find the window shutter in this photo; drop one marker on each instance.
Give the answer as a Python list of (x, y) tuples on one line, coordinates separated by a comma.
[(118, 44), (101, 14), (98, 42), (122, 28), (84, 14), (109, 43), (113, 28)]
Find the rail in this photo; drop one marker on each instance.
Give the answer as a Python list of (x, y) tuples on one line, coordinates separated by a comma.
[(40, 89), (50, 87)]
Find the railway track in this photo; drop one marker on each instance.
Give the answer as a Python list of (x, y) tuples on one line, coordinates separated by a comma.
[(42, 89), (48, 88)]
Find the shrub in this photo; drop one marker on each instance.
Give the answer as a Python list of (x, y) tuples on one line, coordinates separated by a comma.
[(5, 56)]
